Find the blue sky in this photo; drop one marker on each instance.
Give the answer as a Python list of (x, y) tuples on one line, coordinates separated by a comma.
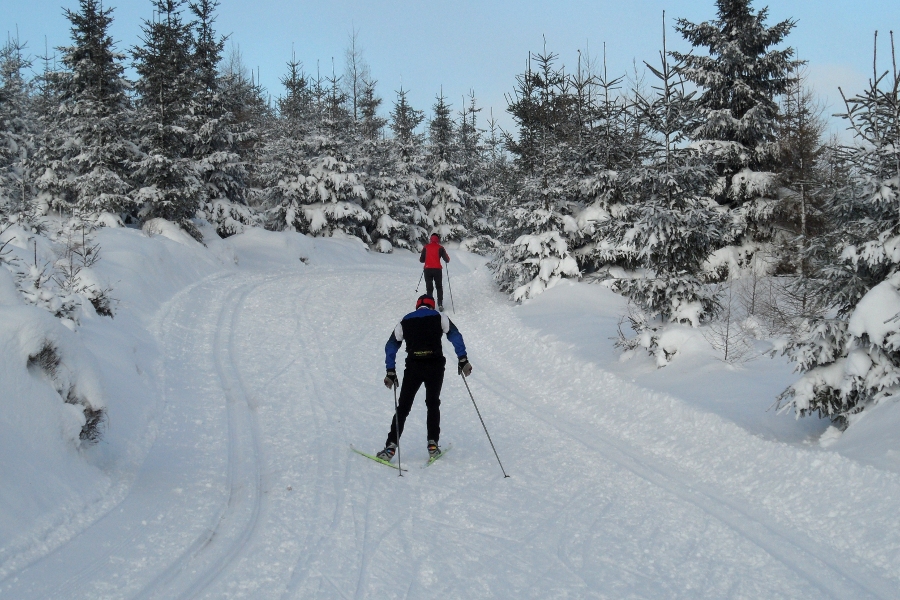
[(482, 44)]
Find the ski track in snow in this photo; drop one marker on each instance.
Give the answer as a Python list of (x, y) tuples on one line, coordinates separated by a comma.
[(251, 491)]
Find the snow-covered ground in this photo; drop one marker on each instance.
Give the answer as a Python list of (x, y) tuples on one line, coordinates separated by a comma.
[(237, 376)]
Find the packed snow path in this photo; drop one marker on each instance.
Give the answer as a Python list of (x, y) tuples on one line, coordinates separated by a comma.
[(250, 489)]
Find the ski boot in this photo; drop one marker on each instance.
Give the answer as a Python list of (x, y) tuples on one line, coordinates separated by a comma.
[(388, 452), (433, 449)]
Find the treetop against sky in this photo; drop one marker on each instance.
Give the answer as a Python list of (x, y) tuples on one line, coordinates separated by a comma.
[(426, 47)]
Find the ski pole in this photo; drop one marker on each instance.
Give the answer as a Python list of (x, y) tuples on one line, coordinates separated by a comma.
[(450, 287), (420, 280), (482, 424), (397, 429)]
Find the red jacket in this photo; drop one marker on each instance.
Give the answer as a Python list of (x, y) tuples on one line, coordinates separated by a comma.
[(432, 254)]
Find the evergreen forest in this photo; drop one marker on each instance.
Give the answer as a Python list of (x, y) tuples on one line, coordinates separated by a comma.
[(703, 188)]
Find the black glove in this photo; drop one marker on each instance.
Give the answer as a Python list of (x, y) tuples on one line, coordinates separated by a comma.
[(465, 367), (390, 380)]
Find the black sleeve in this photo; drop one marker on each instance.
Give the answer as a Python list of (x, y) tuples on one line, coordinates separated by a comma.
[(422, 256), (445, 255)]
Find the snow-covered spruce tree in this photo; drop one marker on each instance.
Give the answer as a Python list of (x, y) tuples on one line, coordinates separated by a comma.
[(169, 184), (442, 196), (16, 128), (371, 124), (741, 80), (282, 147), (535, 254), (326, 193), (852, 359), (610, 142), (244, 99), (378, 160), (473, 175), (670, 226), (83, 159), (46, 167), (218, 136), (491, 182), (805, 182), (396, 191)]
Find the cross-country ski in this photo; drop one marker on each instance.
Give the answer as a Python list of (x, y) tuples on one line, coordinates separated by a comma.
[(376, 459)]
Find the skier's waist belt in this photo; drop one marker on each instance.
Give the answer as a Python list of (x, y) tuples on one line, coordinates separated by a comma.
[(425, 356)]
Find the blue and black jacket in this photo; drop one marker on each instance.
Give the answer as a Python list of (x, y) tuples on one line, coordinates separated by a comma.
[(422, 331)]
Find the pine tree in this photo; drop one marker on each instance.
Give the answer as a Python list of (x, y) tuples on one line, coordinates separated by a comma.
[(473, 176), (357, 76), (318, 189), (247, 103), (611, 143), (800, 211), (851, 360), (371, 125), (218, 136), (469, 145), (670, 226), (16, 128), (404, 121), (296, 107), (491, 180), (171, 187), (741, 80), (536, 253), (378, 160), (441, 130), (83, 160), (282, 147), (442, 196), (396, 182)]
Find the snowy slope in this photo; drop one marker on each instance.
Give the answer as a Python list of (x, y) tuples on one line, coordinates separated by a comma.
[(231, 474)]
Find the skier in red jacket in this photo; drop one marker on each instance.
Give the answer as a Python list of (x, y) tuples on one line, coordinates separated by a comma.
[(431, 255)]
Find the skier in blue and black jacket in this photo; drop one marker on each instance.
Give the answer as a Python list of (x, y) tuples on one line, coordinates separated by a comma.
[(422, 331)]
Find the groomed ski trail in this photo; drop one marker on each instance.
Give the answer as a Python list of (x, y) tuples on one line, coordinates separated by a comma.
[(614, 491), (193, 506)]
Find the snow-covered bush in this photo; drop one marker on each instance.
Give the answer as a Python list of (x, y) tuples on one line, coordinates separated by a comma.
[(53, 271), (533, 263), (229, 218)]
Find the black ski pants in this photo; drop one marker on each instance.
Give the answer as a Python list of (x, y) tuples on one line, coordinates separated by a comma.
[(434, 279), (430, 373)]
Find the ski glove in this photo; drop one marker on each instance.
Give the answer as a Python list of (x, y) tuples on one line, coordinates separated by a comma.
[(390, 380), (465, 367)]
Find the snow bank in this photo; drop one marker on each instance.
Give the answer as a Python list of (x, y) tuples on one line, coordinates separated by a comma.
[(588, 317), (874, 436), (260, 249), (49, 387), (54, 485), (53, 378)]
